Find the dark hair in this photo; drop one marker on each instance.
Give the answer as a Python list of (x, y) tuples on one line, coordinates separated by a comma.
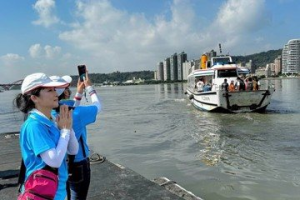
[(63, 95), (23, 101)]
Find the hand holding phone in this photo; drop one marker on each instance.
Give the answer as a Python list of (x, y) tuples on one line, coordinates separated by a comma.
[(82, 72)]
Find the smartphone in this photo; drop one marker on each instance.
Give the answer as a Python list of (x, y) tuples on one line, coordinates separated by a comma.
[(68, 102), (82, 72)]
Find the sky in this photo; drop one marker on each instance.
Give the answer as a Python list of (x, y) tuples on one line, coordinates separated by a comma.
[(133, 35)]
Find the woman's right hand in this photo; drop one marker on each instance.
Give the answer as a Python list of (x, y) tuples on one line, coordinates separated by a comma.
[(64, 120), (80, 86), (87, 82)]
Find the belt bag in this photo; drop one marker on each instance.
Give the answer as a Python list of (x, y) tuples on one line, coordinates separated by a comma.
[(41, 184)]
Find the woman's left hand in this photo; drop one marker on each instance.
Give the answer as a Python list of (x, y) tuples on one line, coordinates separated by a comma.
[(64, 120)]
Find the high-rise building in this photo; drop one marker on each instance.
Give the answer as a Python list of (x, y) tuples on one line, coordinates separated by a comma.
[(174, 67), (181, 58), (187, 68), (291, 57), (160, 71), (167, 73), (250, 66), (277, 63)]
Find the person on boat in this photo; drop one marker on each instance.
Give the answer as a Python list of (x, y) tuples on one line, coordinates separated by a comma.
[(256, 83), (225, 85), (200, 85), (43, 141), (249, 84), (207, 87), (231, 87), (240, 84), (79, 166)]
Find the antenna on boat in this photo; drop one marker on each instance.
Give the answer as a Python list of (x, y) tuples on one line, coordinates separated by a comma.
[(220, 48)]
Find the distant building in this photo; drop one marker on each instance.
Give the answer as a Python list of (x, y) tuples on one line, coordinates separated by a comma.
[(174, 67), (260, 72), (268, 71), (291, 57), (250, 66), (155, 75), (278, 66), (181, 58), (212, 53), (272, 67), (160, 71), (197, 64), (167, 72), (284, 58), (187, 68)]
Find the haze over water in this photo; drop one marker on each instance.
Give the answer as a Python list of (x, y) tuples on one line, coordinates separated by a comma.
[(154, 130)]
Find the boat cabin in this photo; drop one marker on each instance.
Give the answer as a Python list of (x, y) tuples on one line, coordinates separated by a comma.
[(213, 77)]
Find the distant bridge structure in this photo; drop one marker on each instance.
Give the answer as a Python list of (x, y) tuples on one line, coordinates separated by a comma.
[(9, 86)]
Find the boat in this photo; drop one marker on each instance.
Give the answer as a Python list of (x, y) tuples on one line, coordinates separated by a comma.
[(217, 98)]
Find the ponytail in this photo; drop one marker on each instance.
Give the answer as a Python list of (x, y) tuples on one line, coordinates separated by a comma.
[(23, 101)]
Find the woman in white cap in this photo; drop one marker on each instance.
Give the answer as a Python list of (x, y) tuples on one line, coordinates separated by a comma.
[(63, 93), (44, 142)]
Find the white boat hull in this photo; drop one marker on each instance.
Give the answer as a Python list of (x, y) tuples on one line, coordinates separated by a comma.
[(237, 101)]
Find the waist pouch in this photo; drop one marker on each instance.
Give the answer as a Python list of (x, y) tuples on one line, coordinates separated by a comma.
[(41, 184)]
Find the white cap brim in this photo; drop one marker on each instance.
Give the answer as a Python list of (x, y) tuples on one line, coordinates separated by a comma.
[(59, 91), (37, 80), (67, 78)]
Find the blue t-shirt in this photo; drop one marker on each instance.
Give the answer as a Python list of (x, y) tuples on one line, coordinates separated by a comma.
[(82, 116), (38, 134)]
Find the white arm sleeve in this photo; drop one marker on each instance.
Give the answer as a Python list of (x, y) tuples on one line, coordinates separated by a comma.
[(55, 156), (77, 99), (73, 144), (96, 102), (94, 97)]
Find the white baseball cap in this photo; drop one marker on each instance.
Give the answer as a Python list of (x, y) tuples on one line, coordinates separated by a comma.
[(37, 80), (66, 79)]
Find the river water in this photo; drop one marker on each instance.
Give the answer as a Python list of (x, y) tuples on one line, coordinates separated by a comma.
[(154, 130)]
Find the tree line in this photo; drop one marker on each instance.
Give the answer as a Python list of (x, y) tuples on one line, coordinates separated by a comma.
[(118, 77), (259, 59)]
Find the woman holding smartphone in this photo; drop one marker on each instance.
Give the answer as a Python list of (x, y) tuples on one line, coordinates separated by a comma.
[(44, 142), (79, 165)]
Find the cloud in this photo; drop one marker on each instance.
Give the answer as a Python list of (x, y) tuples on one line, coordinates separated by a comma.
[(10, 59), (37, 51), (51, 52), (114, 39), (126, 41), (45, 8), (240, 16), (238, 21)]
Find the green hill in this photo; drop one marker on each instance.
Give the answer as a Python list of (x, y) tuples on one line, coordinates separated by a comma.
[(259, 59)]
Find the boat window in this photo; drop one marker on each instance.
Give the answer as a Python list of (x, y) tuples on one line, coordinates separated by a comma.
[(243, 72), (221, 61), (227, 73)]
